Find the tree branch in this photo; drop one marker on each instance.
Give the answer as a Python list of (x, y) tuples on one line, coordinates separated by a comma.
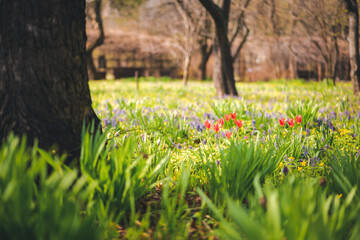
[(214, 10), (240, 22), (241, 45), (100, 40)]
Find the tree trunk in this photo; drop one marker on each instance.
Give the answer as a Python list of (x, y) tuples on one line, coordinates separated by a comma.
[(202, 66), (336, 62), (93, 73), (205, 54), (44, 90), (353, 39), (221, 88), (223, 51), (227, 67), (319, 70), (186, 69)]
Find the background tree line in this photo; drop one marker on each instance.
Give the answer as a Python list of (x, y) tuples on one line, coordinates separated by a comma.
[(223, 28)]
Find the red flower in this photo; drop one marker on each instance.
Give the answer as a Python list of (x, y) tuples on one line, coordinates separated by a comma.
[(227, 117), (216, 127), (291, 122), (282, 122), (207, 124), (233, 116), (298, 119), (221, 122), (228, 135), (238, 123)]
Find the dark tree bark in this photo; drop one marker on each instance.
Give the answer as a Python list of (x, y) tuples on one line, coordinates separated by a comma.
[(353, 39), (218, 78), (221, 19), (336, 62), (44, 90), (205, 51), (93, 73)]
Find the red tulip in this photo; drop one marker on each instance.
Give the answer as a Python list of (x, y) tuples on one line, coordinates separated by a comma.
[(282, 122), (298, 119), (233, 116), (238, 123), (227, 117), (216, 127), (207, 124), (291, 122), (221, 121), (228, 135)]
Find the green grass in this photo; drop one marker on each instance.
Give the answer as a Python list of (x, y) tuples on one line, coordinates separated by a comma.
[(158, 173)]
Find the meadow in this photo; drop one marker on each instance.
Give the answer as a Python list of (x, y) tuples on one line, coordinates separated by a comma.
[(281, 161)]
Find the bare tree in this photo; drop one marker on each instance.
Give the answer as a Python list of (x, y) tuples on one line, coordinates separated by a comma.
[(94, 8), (193, 19), (206, 49), (223, 63), (353, 39), (321, 20)]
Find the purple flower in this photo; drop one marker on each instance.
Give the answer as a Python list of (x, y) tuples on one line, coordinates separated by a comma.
[(319, 122), (204, 141), (253, 123), (113, 122), (331, 126), (178, 146), (285, 170), (106, 122)]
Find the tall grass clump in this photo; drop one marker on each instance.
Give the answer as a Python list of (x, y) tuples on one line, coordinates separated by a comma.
[(235, 170), (36, 204), (345, 172), (297, 209), (123, 178)]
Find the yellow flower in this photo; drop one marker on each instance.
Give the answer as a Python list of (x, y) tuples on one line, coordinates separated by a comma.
[(291, 158), (303, 163), (339, 195), (299, 169), (321, 164), (281, 164)]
